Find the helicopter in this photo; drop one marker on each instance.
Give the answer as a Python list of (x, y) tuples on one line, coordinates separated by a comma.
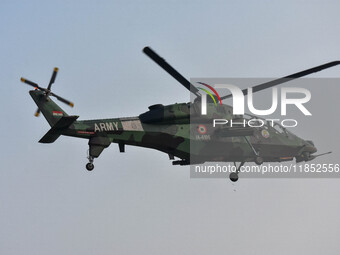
[(180, 130)]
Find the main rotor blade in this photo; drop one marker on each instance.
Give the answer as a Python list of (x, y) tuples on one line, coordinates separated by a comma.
[(170, 70), (62, 99), (273, 83), (54, 74)]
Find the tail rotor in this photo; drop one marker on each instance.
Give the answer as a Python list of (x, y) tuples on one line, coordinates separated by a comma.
[(47, 91)]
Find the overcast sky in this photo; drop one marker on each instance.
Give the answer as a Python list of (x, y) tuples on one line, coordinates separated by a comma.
[(137, 202)]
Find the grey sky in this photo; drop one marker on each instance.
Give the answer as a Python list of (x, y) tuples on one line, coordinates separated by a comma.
[(137, 202)]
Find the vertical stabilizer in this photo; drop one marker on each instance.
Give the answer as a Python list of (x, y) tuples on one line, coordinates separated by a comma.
[(51, 111)]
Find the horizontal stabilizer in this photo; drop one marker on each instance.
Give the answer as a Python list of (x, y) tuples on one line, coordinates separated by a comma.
[(57, 129)]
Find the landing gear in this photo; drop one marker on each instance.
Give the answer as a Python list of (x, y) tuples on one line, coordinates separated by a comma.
[(234, 176), (96, 145), (90, 166), (258, 160)]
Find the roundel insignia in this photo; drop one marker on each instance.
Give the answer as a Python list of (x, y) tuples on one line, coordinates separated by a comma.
[(265, 133), (202, 129)]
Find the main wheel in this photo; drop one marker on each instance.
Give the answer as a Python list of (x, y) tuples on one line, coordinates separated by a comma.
[(89, 166), (258, 160), (233, 177)]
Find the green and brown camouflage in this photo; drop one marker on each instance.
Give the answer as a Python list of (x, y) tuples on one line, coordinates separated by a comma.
[(174, 129), (180, 130)]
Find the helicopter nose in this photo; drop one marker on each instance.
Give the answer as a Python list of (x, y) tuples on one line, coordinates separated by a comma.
[(310, 147), (306, 154)]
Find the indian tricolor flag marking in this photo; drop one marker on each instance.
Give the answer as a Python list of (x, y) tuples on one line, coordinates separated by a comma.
[(57, 113)]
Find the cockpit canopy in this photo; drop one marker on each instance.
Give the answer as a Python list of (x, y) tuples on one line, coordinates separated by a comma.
[(184, 113), (160, 114)]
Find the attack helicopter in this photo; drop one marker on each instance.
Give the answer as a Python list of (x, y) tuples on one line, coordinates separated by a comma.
[(179, 130)]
